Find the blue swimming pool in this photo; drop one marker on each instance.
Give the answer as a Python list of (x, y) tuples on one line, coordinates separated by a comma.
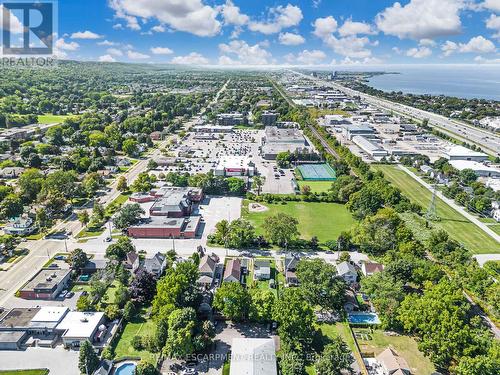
[(363, 318), (125, 369)]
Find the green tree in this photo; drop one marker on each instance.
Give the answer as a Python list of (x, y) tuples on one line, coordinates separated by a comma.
[(122, 184), (152, 164), (11, 207), (335, 358), (283, 159), (292, 362), (84, 303), (320, 285), (232, 300), (30, 184), (281, 229), (180, 338), (295, 318), (236, 186), (77, 259), (130, 147), (146, 368), (129, 311), (258, 183), (365, 202), (118, 251), (84, 217), (128, 215), (41, 218), (262, 303), (88, 361), (142, 183)]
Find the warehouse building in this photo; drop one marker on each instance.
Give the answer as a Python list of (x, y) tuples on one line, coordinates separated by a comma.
[(350, 131), (277, 140), (161, 227), (461, 153), (482, 170), (369, 147)]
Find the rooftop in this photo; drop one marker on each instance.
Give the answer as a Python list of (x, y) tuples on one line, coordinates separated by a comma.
[(47, 279), (253, 357), (18, 317), (80, 324)]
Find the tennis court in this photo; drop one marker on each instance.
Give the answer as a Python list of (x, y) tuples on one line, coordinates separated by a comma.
[(317, 172)]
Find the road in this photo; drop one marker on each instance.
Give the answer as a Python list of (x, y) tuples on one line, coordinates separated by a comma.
[(488, 141), (451, 203)]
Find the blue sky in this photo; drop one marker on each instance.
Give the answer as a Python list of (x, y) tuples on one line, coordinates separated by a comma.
[(276, 32)]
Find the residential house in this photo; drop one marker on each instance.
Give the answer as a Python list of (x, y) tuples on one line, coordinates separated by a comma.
[(291, 262), (392, 363), (232, 273), (495, 212), (369, 268), (262, 269), (104, 368), (348, 272), (132, 261), (94, 265), (20, 226), (207, 268), (156, 265)]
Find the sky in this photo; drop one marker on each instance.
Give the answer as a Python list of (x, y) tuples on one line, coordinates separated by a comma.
[(277, 32)]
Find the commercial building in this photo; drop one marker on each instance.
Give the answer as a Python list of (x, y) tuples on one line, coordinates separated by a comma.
[(174, 205), (269, 118), (253, 356), (278, 139), (336, 120), (77, 327), (482, 170), (46, 284), (235, 165), (369, 147), (12, 340), (230, 119), (350, 131), (456, 152), (163, 227), (213, 129)]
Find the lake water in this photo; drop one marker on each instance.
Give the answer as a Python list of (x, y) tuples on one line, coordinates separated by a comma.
[(479, 81)]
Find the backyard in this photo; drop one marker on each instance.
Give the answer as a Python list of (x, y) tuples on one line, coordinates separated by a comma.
[(372, 343), (459, 227), (324, 220)]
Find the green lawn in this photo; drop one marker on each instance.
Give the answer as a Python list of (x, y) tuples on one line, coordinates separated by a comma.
[(324, 220), (25, 372), (495, 228), (139, 326), (51, 119), (109, 296), (405, 346), (459, 227), (316, 186)]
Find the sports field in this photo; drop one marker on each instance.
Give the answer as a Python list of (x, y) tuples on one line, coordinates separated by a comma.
[(51, 119), (458, 227), (323, 220), (316, 172)]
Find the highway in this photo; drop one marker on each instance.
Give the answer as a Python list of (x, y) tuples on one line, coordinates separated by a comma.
[(488, 141)]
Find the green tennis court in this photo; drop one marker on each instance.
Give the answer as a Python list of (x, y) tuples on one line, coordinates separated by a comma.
[(317, 172)]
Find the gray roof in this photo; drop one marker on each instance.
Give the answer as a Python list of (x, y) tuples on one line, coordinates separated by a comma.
[(345, 267)]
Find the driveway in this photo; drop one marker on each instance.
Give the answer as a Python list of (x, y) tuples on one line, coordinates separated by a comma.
[(58, 360)]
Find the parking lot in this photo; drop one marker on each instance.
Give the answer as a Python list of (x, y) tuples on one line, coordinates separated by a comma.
[(58, 360)]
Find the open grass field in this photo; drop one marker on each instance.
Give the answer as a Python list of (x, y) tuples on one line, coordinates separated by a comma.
[(25, 372), (316, 186), (51, 119), (137, 327), (405, 346), (324, 220), (495, 228), (458, 227)]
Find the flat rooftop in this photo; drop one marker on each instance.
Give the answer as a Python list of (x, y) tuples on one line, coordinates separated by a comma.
[(80, 324), (184, 223), (46, 279), (253, 357), (284, 135), (19, 317), (50, 314)]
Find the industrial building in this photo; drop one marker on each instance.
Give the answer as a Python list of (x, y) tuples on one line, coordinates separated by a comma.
[(369, 147), (269, 118), (162, 227), (350, 131), (456, 152), (482, 170), (277, 140), (46, 284), (335, 120)]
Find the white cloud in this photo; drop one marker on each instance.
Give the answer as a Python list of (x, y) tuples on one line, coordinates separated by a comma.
[(232, 14), (492, 5), (421, 19), (324, 27), (161, 51), (397, 50), (477, 44), (106, 58), (118, 26), (134, 55), (15, 27), (291, 39), (365, 61), (158, 29), (114, 52), (246, 54), (193, 58), (351, 27), (493, 23), (306, 57), (280, 17), (419, 53), (191, 16), (427, 42), (482, 60), (107, 43), (61, 44), (85, 35)]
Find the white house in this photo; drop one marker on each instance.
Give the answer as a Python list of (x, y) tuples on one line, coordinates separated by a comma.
[(347, 272), (262, 269)]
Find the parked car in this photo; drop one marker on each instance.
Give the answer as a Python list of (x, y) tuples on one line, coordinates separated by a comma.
[(70, 294)]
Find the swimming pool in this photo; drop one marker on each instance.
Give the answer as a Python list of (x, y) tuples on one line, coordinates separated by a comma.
[(125, 369), (363, 318)]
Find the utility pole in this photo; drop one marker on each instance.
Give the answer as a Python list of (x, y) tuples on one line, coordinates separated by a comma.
[(431, 211)]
